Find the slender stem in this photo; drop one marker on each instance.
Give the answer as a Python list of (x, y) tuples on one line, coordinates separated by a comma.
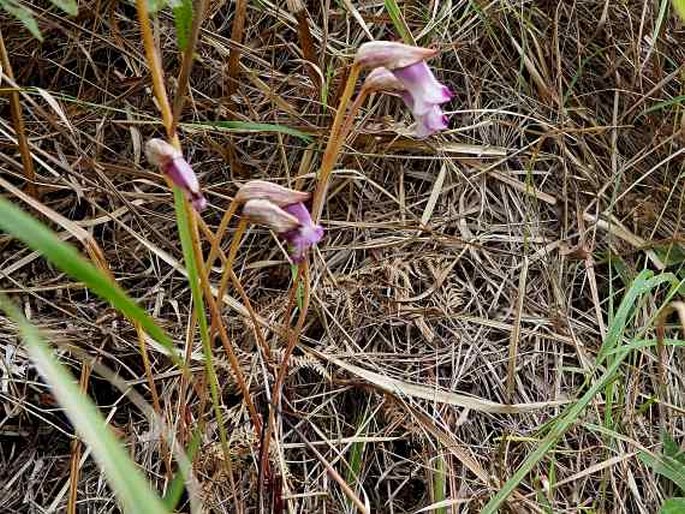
[(331, 152), (228, 274), (293, 338), (156, 74), (347, 126), (223, 226), (187, 66), (18, 121), (228, 347), (237, 31), (76, 448), (187, 225), (232, 252), (293, 335)]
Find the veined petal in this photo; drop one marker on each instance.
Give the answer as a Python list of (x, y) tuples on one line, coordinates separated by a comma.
[(270, 215), (261, 189), (419, 81), (391, 55)]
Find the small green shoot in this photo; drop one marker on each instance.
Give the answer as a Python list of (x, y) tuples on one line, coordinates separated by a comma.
[(183, 20)]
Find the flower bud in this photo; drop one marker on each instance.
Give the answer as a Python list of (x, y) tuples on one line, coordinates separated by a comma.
[(159, 152), (263, 212), (176, 168), (382, 79), (263, 190), (391, 55)]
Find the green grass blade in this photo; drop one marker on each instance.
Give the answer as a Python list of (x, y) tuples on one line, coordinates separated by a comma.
[(667, 467), (673, 506), (127, 482), (68, 6), (642, 284), (248, 126), (37, 236), (183, 19), (184, 230), (680, 8), (24, 15), (399, 22)]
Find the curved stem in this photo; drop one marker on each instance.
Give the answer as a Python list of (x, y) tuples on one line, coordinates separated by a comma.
[(331, 152), (223, 226), (156, 71)]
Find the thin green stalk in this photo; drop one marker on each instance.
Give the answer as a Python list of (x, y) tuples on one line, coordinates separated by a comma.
[(185, 233)]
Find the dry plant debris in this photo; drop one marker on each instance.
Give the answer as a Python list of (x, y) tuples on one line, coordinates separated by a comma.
[(482, 263)]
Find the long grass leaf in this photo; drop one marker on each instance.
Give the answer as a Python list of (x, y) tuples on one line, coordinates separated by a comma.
[(399, 22), (249, 126), (68, 6), (37, 236), (642, 284), (130, 486), (24, 15)]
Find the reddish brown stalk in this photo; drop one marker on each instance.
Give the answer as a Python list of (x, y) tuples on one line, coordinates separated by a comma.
[(223, 335), (216, 241), (333, 146), (306, 40), (237, 32), (188, 59), (18, 121), (293, 337)]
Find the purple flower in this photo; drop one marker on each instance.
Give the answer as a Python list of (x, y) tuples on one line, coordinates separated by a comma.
[(173, 165), (400, 67), (304, 236), (283, 211)]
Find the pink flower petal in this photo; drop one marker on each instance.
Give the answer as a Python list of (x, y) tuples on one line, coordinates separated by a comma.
[(173, 165), (391, 55), (430, 122), (422, 85), (305, 236), (183, 176)]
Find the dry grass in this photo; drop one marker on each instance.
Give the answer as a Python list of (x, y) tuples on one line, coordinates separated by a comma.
[(486, 261)]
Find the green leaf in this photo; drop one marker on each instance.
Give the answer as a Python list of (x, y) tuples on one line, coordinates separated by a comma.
[(34, 234), (399, 22), (673, 506), (123, 476), (680, 8), (68, 6), (671, 462), (183, 19), (643, 283), (24, 15), (248, 126)]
